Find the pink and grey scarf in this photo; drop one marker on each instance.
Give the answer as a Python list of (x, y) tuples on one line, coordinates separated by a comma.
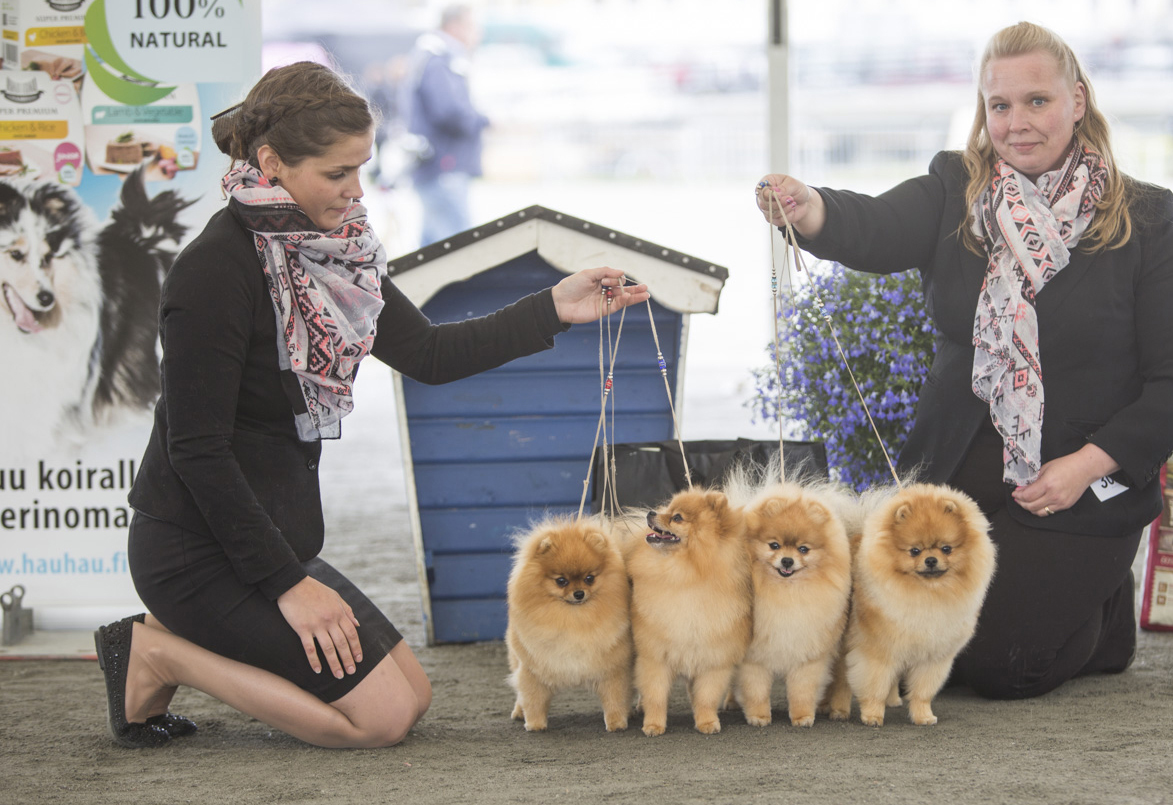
[(325, 292), (1028, 230)]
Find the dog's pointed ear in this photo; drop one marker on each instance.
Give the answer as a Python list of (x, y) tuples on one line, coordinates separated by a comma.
[(717, 500), (544, 546), (772, 507), (596, 539), (902, 512), (951, 505), (818, 512)]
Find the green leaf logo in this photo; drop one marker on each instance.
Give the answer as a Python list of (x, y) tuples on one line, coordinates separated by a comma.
[(107, 69)]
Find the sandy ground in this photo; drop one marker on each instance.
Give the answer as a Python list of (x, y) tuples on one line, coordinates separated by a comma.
[(1102, 739)]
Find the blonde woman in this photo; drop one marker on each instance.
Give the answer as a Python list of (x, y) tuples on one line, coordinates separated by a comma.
[(1049, 277)]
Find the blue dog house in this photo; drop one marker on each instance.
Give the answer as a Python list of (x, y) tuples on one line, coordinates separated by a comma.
[(486, 456)]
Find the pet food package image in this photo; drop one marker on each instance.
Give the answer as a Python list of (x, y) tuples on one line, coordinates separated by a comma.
[(1156, 608), (41, 133), (163, 136), (46, 36)]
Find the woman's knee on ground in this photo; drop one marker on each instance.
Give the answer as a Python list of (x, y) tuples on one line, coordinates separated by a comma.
[(1025, 666), (393, 724), (1012, 679), (423, 697)]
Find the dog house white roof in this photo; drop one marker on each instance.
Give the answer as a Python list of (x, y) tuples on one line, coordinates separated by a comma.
[(483, 455)]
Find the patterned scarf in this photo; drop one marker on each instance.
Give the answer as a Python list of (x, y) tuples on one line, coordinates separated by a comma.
[(325, 292), (1028, 231)]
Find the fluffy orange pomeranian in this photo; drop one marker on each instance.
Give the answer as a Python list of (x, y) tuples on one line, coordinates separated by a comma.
[(569, 625), (801, 569), (691, 605), (921, 569)]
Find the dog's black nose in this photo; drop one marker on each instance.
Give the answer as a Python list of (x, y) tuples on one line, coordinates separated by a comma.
[(651, 519), (931, 562), (45, 298), (579, 595), (787, 562)]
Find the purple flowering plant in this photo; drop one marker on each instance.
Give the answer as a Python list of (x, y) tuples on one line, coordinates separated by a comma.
[(883, 326)]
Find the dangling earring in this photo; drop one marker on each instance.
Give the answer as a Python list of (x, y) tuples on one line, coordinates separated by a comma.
[(275, 181)]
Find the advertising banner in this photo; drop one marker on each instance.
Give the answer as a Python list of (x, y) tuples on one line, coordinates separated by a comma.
[(107, 169)]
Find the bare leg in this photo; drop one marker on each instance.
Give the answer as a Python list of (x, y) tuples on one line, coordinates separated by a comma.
[(378, 712), (162, 701)]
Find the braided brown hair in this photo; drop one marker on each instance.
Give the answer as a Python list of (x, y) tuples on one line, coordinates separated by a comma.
[(299, 110)]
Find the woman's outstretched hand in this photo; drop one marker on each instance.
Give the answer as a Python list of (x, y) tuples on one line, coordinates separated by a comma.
[(581, 297), (317, 612), (783, 198)]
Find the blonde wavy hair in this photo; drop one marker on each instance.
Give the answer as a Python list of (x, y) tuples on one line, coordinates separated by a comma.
[(1111, 226)]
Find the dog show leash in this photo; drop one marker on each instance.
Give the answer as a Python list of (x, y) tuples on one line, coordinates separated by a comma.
[(607, 384), (792, 252)]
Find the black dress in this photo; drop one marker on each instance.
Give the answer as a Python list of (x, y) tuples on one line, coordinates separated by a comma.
[(228, 510)]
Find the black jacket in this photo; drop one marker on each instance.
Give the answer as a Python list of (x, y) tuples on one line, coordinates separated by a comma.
[(223, 459), (1105, 337)]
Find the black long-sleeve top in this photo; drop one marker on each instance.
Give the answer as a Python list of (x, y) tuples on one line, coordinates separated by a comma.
[(224, 459), (1105, 337)]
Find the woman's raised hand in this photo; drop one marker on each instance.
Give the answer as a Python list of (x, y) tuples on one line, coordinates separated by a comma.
[(783, 198), (316, 612), (580, 297)]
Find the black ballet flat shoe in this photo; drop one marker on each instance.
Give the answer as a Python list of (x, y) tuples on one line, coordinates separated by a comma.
[(173, 725), (113, 645)]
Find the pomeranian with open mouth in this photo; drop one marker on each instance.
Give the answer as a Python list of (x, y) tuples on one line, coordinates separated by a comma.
[(691, 605), (801, 568), (569, 626), (921, 569)]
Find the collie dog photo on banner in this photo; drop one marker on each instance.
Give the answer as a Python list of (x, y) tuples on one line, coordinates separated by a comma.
[(80, 299)]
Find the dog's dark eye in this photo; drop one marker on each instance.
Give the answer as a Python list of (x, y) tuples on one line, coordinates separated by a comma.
[(17, 255), (803, 549), (561, 581), (590, 579), (914, 551), (946, 549), (774, 546), (677, 518)]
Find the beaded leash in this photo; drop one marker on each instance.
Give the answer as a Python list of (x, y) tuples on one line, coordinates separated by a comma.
[(668, 388), (791, 247), (778, 337), (609, 469), (606, 385)]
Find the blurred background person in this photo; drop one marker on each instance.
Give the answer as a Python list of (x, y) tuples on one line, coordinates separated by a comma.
[(438, 107)]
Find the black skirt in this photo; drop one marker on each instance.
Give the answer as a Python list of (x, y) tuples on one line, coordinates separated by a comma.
[(188, 583), (1060, 605)]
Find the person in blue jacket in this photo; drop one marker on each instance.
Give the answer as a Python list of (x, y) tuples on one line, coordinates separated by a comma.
[(1048, 273), (438, 107)]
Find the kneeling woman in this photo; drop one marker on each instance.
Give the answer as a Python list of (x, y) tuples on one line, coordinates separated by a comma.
[(264, 319)]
